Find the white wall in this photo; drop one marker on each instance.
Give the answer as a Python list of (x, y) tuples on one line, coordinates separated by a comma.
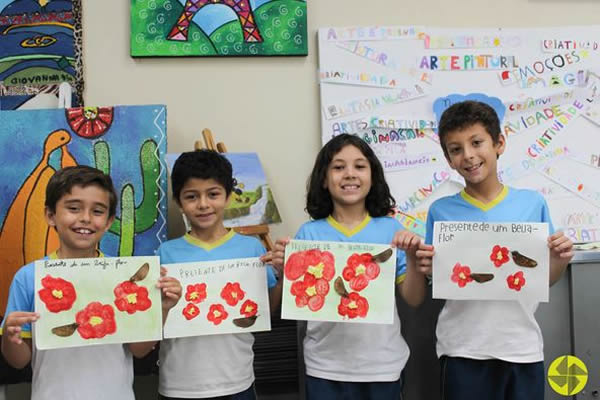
[(276, 99)]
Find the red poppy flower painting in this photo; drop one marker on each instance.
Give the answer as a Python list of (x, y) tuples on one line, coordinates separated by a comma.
[(196, 293), (353, 305), (90, 122), (360, 270), (516, 281), (217, 314), (130, 297), (96, 321), (310, 292), (57, 293), (499, 255), (191, 311), (319, 263), (232, 293), (249, 309), (461, 274)]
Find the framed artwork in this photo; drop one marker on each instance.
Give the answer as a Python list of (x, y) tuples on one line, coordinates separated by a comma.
[(173, 28)]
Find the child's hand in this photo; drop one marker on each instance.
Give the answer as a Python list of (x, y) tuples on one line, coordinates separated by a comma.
[(407, 241), (425, 258), (561, 247), (14, 323), (170, 290), (278, 255)]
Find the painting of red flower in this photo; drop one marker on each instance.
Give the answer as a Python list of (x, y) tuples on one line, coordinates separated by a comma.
[(232, 293), (130, 297), (499, 255), (353, 305), (516, 281), (310, 292), (461, 274), (58, 294), (318, 263), (191, 311), (196, 293), (96, 320), (90, 122), (217, 314), (360, 270), (249, 308)]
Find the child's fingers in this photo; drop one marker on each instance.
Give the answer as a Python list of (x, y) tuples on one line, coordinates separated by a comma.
[(163, 271), (20, 318), (267, 257)]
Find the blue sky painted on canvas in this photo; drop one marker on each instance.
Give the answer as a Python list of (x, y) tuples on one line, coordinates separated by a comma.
[(211, 17)]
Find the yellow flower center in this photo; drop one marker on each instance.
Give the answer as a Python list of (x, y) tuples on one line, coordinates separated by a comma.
[(316, 270), (132, 298), (234, 295), (462, 275), (499, 255), (249, 309), (58, 294), (352, 305), (516, 281), (311, 291), (191, 311), (361, 269), (194, 295), (216, 313), (95, 320)]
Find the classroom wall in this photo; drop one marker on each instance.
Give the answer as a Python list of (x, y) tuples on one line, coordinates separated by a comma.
[(271, 105)]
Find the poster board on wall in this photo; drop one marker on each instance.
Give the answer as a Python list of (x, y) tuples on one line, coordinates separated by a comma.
[(389, 85)]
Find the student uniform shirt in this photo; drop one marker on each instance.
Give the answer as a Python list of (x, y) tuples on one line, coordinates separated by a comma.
[(355, 352), (490, 329), (212, 365), (91, 372)]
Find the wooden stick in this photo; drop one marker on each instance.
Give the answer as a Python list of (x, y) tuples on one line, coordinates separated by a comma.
[(208, 138), (198, 145), (221, 147)]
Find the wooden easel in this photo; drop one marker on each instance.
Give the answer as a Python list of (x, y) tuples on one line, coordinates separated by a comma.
[(262, 231)]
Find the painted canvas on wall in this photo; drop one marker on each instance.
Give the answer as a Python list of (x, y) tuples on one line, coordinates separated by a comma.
[(218, 28), (40, 46), (339, 282), (252, 202), (491, 261), (225, 296), (89, 301), (127, 142)]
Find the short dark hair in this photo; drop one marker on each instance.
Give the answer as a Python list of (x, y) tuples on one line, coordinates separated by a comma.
[(64, 179), (201, 164), (379, 201), (465, 114)]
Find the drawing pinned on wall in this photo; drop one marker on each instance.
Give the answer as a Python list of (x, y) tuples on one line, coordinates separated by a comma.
[(557, 45), (218, 28), (530, 104), (373, 33), (40, 45), (441, 104), (470, 41), (226, 296), (43, 141), (252, 201), (366, 104), (91, 301), (471, 62), (505, 261), (340, 282), (358, 78)]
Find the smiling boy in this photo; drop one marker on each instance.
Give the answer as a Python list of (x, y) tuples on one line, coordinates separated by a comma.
[(488, 349)]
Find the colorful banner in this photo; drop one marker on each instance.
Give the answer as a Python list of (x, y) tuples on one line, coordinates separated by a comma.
[(372, 33)]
